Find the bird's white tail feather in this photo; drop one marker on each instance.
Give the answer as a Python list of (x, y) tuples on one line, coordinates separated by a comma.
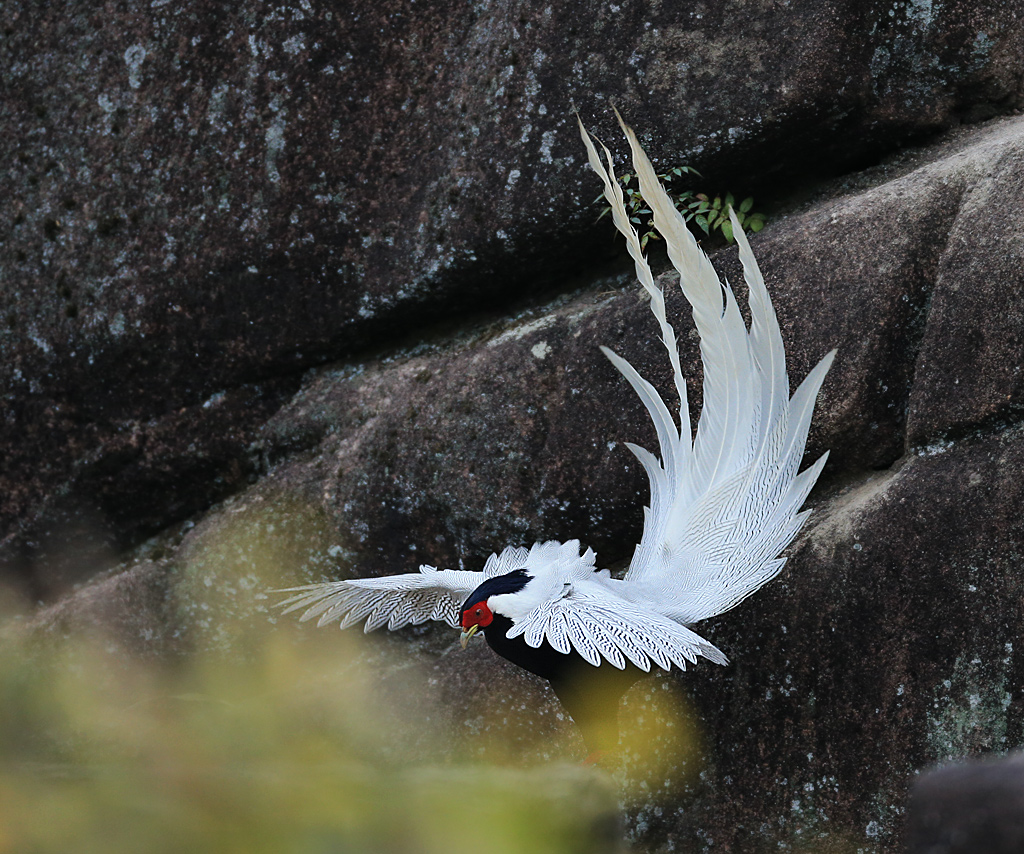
[(676, 456), (725, 502), (723, 430)]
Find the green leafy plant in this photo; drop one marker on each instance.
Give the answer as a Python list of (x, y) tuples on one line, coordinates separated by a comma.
[(709, 213), (712, 214)]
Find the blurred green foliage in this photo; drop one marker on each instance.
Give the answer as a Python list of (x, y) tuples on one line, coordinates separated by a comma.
[(215, 724), (256, 733), (283, 752)]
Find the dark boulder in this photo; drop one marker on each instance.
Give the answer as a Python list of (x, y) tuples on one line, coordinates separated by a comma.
[(200, 204), (977, 806)]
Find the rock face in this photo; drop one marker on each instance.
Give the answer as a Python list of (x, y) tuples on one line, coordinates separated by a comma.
[(293, 294), (976, 806), (202, 204)]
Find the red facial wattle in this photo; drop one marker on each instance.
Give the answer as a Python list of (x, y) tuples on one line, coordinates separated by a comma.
[(477, 615)]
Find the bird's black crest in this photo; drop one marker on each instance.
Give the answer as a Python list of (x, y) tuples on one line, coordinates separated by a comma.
[(510, 582)]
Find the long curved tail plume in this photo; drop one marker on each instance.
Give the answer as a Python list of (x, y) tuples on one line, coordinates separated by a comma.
[(725, 502)]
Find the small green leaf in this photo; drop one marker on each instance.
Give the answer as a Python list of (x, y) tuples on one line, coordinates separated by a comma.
[(746, 204), (702, 221), (727, 231), (730, 202)]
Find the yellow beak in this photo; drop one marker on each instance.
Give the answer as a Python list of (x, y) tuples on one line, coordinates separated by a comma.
[(464, 638)]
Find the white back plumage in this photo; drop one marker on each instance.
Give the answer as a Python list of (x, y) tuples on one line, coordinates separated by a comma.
[(724, 504)]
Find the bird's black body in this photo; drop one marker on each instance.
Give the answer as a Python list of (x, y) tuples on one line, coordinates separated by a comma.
[(589, 694)]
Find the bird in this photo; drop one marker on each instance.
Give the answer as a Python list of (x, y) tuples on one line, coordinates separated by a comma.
[(725, 501)]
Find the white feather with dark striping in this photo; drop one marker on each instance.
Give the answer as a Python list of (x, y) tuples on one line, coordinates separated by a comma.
[(398, 600)]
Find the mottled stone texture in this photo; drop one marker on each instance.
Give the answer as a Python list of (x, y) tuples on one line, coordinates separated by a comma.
[(203, 200), (306, 291)]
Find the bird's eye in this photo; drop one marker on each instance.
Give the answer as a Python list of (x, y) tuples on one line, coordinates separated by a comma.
[(479, 612)]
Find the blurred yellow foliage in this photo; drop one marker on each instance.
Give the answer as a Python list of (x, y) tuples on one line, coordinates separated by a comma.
[(269, 735), (263, 738), (280, 752)]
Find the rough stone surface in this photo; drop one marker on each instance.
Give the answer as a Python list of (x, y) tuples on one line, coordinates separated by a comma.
[(890, 642), (203, 221), (207, 200), (976, 806), (147, 473), (133, 610)]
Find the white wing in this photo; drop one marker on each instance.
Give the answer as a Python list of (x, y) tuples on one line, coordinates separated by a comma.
[(398, 600), (724, 504), (596, 623)]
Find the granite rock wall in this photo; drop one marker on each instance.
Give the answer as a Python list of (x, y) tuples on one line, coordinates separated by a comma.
[(303, 292)]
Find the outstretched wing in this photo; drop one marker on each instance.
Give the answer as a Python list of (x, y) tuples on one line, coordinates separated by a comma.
[(394, 600), (725, 503), (598, 624), (398, 600)]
